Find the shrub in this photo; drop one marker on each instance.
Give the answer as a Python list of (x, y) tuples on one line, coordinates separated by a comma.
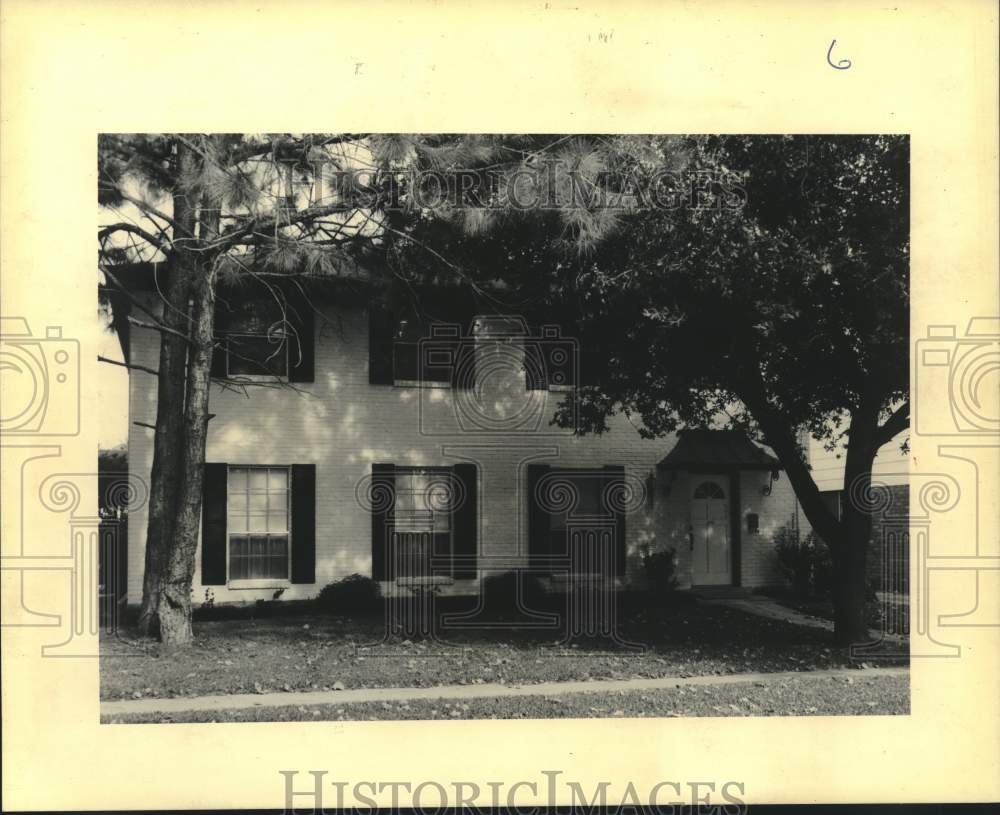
[(352, 593), (500, 590), (661, 569), (806, 562)]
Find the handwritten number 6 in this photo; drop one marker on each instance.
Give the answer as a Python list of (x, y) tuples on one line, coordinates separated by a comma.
[(840, 64)]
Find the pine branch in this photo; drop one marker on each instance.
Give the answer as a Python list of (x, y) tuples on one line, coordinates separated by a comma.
[(130, 365), (232, 236), (158, 327), (107, 231)]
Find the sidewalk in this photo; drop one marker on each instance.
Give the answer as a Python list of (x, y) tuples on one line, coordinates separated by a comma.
[(770, 609), (250, 700)]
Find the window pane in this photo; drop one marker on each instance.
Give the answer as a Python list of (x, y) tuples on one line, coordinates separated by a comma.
[(258, 546), (277, 521), (258, 502), (237, 501), (237, 479), (237, 522), (237, 558), (277, 479), (258, 355), (258, 480), (405, 362), (258, 523), (250, 315), (419, 482)]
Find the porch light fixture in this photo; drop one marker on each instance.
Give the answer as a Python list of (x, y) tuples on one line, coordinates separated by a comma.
[(766, 489)]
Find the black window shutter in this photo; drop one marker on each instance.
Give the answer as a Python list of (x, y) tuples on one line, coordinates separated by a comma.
[(380, 342), (463, 374), (218, 369), (303, 523), (465, 522), (538, 520), (302, 346), (614, 484), (535, 375), (464, 371), (383, 498), (213, 524)]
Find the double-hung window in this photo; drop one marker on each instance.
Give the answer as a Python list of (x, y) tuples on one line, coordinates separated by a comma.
[(258, 523), (422, 526), (254, 338), (418, 356)]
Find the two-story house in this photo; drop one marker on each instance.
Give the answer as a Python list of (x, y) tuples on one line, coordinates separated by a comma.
[(349, 437)]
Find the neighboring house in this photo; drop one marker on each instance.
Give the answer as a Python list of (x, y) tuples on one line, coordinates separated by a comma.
[(371, 442), (888, 556)]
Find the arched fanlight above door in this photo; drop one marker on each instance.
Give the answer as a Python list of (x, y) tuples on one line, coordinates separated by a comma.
[(709, 489)]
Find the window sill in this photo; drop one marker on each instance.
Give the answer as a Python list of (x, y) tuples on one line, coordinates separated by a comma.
[(416, 383), (420, 582), (270, 378), (270, 583)]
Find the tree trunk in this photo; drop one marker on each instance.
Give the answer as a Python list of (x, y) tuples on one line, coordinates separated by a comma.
[(851, 580), (177, 577), (178, 574), (850, 553), (171, 385), (164, 476), (848, 537)]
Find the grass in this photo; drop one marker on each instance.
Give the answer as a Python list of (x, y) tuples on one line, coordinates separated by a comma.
[(893, 609), (862, 695), (333, 652)]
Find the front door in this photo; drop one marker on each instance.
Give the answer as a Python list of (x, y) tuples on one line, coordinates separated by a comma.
[(710, 553)]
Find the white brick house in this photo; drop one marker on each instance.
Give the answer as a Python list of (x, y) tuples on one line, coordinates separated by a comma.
[(434, 459)]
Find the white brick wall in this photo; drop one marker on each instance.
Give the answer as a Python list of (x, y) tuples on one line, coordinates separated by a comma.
[(343, 425)]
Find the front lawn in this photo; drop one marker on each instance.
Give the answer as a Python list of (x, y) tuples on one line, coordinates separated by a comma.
[(893, 611), (330, 652), (864, 696)]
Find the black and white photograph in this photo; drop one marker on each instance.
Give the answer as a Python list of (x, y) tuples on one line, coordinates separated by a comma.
[(424, 426)]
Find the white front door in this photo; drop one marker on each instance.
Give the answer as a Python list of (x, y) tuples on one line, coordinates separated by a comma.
[(710, 555)]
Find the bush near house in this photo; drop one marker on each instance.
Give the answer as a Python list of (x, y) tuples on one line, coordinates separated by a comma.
[(499, 591), (661, 570), (805, 561), (353, 593)]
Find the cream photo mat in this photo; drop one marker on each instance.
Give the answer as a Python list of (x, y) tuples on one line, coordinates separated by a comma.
[(71, 70)]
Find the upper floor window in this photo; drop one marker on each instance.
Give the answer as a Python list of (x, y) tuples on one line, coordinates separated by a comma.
[(254, 338), (408, 346), (269, 336), (415, 359)]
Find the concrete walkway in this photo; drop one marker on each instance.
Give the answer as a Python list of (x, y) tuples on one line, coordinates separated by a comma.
[(251, 700), (765, 607)]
